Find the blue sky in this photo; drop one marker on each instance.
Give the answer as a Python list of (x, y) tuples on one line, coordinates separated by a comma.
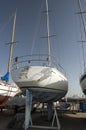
[(30, 26)]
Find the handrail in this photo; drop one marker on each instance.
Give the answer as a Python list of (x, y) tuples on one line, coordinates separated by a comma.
[(35, 59)]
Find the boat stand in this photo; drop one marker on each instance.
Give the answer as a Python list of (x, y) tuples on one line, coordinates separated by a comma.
[(28, 120), (28, 109)]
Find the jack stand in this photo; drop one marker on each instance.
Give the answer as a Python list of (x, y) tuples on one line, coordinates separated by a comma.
[(52, 127), (28, 120), (57, 119), (28, 109), (50, 111)]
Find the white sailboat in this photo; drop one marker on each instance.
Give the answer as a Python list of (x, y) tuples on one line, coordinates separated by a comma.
[(8, 90), (83, 76), (38, 74)]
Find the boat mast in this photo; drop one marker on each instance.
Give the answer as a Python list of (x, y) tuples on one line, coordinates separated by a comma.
[(12, 42), (83, 22), (81, 12), (48, 34)]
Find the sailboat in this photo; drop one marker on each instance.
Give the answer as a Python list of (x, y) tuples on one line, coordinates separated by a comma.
[(7, 89), (83, 75), (39, 75)]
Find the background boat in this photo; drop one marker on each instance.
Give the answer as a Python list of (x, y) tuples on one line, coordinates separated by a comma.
[(8, 90)]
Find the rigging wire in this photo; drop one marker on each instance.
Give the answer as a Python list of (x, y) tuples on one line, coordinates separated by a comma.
[(84, 27), (82, 47), (6, 24), (36, 30)]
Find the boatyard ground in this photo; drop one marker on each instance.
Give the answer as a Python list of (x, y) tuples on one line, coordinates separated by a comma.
[(68, 120)]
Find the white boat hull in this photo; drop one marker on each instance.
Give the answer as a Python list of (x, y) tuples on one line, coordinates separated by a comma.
[(83, 83), (45, 83), (7, 91)]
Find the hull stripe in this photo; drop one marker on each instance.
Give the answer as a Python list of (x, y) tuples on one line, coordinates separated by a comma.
[(8, 90), (42, 88)]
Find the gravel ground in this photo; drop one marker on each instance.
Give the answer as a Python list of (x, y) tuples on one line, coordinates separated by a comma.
[(71, 121)]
